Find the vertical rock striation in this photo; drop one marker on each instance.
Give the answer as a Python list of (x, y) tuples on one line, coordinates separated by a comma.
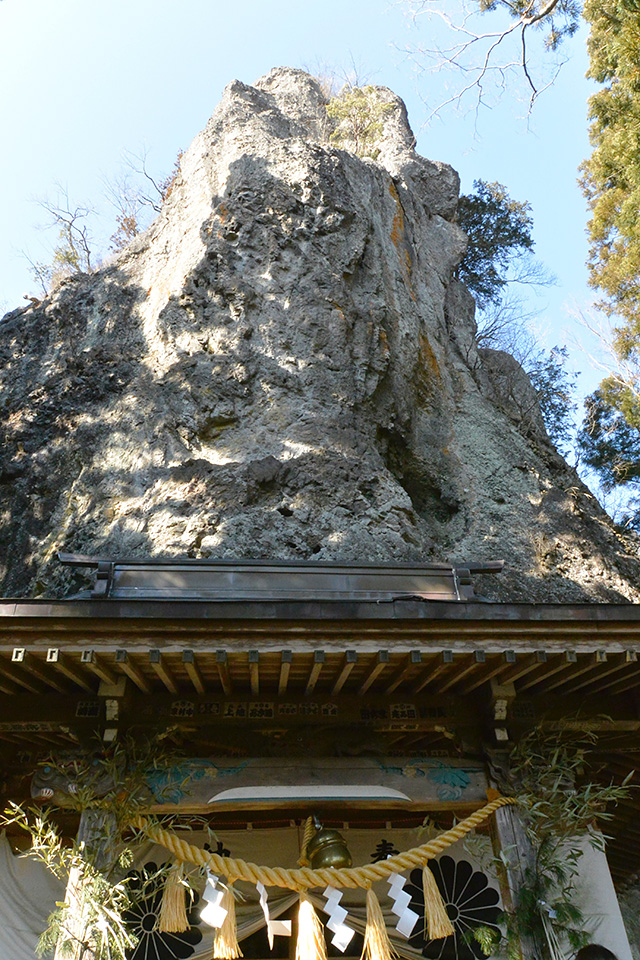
[(283, 365)]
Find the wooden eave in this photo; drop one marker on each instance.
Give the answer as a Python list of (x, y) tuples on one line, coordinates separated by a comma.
[(551, 661), (365, 647)]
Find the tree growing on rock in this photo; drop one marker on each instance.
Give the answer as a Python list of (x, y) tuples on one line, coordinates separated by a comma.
[(499, 232), (498, 256), (609, 443), (76, 251), (555, 386), (359, 113), (73, 252)]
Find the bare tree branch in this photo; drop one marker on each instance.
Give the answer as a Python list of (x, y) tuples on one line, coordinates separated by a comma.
[(489, 60), (623, 371)]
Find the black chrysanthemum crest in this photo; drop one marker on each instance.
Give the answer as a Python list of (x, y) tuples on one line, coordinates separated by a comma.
[(145, 888), (470, 903)]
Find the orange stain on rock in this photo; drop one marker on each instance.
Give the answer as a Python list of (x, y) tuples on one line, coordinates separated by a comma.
[(399, 239)]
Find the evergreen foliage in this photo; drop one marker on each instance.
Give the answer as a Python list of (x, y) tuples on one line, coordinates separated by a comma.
[(609, 440), (499, 231), (611, 176), (609, 443), (560, 19), (359, 113), (555, 387)]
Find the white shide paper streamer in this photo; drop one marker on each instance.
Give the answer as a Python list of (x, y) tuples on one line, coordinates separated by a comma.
[(213, 913), (401, 900), (275, 928), (342, 934), (265, 909)]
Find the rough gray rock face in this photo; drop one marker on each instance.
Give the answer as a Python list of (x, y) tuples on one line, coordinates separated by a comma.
[(282, 366)]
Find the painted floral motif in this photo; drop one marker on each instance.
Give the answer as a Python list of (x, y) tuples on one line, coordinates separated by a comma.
[(453, 781), (146, 888), (470, 903)]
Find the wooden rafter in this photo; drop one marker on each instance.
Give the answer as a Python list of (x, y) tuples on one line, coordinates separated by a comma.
[(33, 667), (381, 662), (547, 670), (162, 670), (522, 667), (350, 660), (254, 672), (132, 671), (629, 656), (484, 676), (98, 666), (469, 665), (446, 661), (222, 665), (408, 669), (191, 666), (66, 666), (593, 663), (314, 675), (285, 666)]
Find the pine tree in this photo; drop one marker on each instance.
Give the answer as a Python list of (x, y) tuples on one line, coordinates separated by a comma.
[(499, 232), (610, 437)]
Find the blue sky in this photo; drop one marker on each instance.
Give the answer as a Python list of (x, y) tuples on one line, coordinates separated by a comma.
[(83, 81)]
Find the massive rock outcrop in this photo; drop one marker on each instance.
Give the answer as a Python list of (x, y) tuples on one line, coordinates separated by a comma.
[(283, 366)]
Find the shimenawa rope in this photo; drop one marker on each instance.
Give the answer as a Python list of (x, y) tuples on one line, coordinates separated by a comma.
[(304, 877)]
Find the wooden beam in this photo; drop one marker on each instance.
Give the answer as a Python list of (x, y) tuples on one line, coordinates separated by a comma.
[(99, 667), (593, 663), (520, 669), (162, 671), (66, 666), (381, 662), (11, 737), (628, 683), (629, 656), (6, 686), (20, 676), (314, 675), (446, 661), (413, 657), (350, 660), (508, 656), (190, 665), (36, 670), (132, 671), (223, 672), (254, 672), (469, 665), (598, 723), (563, 662), (285, 666)]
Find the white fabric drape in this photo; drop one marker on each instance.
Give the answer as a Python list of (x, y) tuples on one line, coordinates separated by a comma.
[(28, 894)]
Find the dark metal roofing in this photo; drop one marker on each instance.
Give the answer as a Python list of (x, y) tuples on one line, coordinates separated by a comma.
[(257, 580)]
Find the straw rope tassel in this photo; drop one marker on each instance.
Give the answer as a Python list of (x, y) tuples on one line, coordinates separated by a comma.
[(311, 944), (173, 910), (377, 945), (309, 831), (225, 945), (436, 920)]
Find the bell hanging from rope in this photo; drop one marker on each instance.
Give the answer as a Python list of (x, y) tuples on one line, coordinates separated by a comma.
[(327, 849)]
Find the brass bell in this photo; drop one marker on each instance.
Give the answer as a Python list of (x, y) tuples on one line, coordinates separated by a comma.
[(328, 849)]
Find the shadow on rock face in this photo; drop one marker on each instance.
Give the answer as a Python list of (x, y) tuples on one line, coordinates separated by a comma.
[(283, 367)]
